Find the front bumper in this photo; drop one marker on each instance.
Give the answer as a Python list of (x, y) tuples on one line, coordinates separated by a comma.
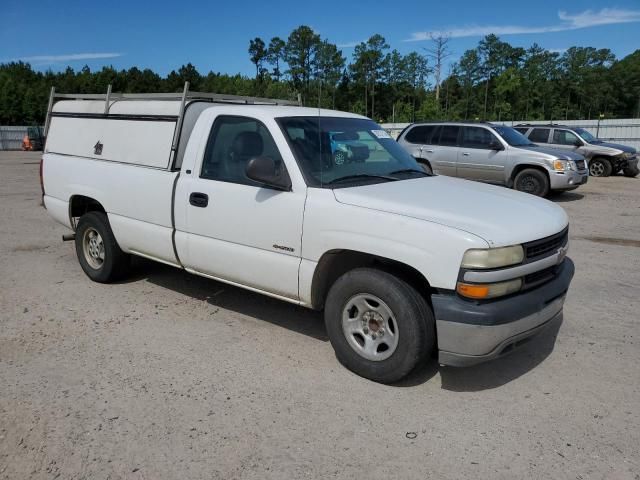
[(472, 332), (568, 180)]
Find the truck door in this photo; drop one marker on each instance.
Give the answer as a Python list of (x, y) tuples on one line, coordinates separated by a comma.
[(236, 230), (479, 159)]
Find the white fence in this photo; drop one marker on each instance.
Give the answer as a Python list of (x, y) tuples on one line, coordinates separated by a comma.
[(625, 131)]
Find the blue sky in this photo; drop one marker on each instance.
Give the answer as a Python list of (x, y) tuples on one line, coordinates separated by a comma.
[(163, 35)]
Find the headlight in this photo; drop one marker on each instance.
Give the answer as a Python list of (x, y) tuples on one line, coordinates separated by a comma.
[(490, 290), (564, 165), (493, 257)]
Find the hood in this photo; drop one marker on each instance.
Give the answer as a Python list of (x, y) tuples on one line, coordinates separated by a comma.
[(554, 153), (615, 146), (498, 215)]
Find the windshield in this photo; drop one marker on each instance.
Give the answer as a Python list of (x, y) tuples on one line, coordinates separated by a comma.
[(586, 135), (343, 152), (513, 137)]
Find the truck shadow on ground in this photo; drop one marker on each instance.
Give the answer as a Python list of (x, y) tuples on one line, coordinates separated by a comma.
[(228, 297), (307, 322), (565, 197)]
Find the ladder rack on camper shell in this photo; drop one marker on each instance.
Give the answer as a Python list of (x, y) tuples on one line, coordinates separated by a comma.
[(185, 96)]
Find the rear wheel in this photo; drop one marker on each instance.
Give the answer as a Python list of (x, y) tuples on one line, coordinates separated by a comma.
[(378, 325), (600, 167), (98, 252), (532, 181), (631, 171)]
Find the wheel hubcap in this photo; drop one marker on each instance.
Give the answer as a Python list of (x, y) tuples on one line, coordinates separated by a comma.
[(370, 327), (528, 184), (597, 169), (339, 158), (93, 248)]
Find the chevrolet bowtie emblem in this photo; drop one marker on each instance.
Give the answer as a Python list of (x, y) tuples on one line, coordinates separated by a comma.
[(562, 253)]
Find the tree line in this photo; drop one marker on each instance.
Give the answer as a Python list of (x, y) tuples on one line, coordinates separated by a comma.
[(493, 81)]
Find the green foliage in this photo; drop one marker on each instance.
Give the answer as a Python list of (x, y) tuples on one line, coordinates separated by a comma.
[(494, 81)]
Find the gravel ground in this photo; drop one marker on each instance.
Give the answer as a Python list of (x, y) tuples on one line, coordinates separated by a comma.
[(170, 376)]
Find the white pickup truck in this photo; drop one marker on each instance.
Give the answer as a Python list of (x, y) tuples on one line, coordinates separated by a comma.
[(251, 192)]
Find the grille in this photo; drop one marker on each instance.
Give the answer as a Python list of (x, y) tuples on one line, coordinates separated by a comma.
[(580, 164), (537, 278), (545, 246)]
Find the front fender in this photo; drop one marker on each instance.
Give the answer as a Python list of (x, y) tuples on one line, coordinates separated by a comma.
[(432, 249)]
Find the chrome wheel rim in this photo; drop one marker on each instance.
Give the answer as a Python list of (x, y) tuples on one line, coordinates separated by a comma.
[(370, 327), (596, 169), (339, 158), (93, 248)]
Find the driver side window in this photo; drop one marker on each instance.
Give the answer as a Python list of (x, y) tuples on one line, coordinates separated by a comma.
[(232, 143)]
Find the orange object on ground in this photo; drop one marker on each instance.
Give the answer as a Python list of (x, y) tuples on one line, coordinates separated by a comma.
[(26, 144)]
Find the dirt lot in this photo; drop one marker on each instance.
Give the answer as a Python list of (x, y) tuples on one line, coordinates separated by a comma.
[(171, 376)]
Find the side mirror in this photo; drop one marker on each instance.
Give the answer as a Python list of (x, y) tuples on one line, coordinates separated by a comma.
[(264, 170), (495, 145), (577, 143)]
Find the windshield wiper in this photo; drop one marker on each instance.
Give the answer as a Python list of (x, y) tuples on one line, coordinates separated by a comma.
[(360, 175), (411, 170)]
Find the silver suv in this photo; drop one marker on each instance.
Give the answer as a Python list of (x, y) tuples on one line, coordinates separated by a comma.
[(604, 158), (493, 154)]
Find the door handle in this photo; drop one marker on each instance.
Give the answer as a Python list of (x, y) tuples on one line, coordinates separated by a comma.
[(198, 199), (429, 151), (466, 154)]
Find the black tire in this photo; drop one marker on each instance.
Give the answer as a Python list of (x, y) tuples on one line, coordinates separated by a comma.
[(533, 181), (631, 171), (425, 166), (412, 320), (600, 167), (114, 263)]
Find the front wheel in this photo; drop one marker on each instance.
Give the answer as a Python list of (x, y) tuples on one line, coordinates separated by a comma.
[(631, 171), (532, 181), (378, 325), (600, 167), (98, 252)]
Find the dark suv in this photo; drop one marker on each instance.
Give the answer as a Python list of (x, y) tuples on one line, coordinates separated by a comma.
[(604, 158)]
